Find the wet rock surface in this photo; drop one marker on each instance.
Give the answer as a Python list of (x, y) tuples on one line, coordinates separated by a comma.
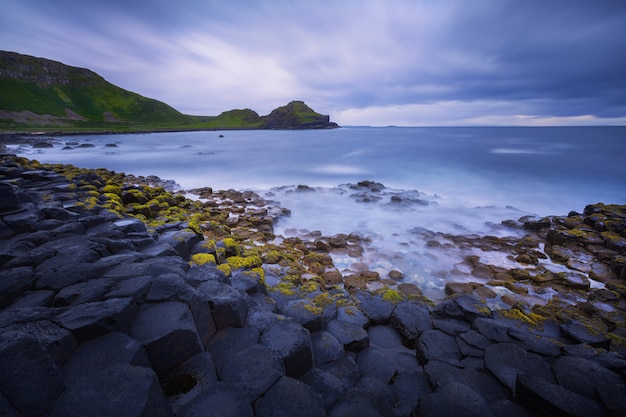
[(106, 314)]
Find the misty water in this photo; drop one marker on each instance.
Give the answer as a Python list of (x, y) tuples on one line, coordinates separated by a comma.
[(451, 180)]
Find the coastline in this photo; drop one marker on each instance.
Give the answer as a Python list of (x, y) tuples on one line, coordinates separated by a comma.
[(217, 276)]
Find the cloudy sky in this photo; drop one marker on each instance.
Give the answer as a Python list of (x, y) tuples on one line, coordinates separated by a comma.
[(366, 62)]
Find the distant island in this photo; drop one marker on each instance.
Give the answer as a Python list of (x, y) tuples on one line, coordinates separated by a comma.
[(49, 96)]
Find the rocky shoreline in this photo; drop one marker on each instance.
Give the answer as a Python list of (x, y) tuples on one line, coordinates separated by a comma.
[(118, 297)]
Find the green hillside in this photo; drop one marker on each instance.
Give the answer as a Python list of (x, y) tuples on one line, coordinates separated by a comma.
[(44, 95), (60, 96)]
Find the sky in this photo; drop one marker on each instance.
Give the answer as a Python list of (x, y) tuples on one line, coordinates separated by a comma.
[(366, 62)]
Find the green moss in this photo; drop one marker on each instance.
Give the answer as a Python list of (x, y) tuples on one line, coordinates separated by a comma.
[(391, 295), (237, 262), (202, 259), (285, 288), (516, 314), (113, 189), (225, 268)]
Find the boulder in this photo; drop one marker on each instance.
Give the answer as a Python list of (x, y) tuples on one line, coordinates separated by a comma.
[(230, 340), (411, 320), (181, 240), (325, 384), (506, 361), (352, 336), (91, 320), (168, 332), (219, 400), (583, 376), (292, 344), (306, 313), (228, 305), (345, 369), (373, 363), (358, 402), (31, 381), (103, 351), (454, 399), (326, 348), (116, 390), (290, 397), (435, 344), (184, 382), (59, 342), (552, 399), (408, 388), (254, 369), (375, 307)]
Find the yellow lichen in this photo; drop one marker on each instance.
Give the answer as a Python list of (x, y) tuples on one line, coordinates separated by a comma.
[(225, 268), (202, 259), (391, 295)]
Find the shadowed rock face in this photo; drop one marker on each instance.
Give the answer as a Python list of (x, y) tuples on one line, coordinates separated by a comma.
[(106, 316)]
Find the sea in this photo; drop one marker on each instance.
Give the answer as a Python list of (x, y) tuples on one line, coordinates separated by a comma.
[(452, 180)]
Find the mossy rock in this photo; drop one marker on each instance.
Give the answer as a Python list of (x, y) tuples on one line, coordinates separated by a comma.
[(202, 259)]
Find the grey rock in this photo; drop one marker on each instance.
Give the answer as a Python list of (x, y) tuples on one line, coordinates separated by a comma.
[(168, 332), (159, 249), (378, 389), (352, 314), (260, 317), (205, 325), (435, 344), (171, 287), (91, 320), (130, 225), (34, 298), (325, 384), (358, 402), (555, 400), (374, 306), (441, 374), (449, 309), (219, 400), (117, 390), (254, 369), (353, 337), (373, 363), (506, 361), (184, 382), (613, 397), (198, 274), (472, 306), (15, 282), (181, 240), (292, 343), (495, 330), (290, 397), (135, 288), (83, 292), (228, 305), (59, 342), (230, 340), (306, 313), (31, 381), (24, 220), (454, 399), (545, 346), (345, 369), (249, 284), (411, 319), (408, 388), (582, 376), (326, 347), (582, 334), (6, 409), (103, 351)]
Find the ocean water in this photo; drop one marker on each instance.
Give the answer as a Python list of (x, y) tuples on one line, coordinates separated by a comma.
[(450, 180)]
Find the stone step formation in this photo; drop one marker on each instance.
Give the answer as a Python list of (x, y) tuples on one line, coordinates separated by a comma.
[(102, 315)]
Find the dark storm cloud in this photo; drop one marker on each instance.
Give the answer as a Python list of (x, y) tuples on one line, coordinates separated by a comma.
[(426, 62)]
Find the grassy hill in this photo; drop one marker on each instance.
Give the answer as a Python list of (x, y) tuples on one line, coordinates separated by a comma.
[(44, 95)]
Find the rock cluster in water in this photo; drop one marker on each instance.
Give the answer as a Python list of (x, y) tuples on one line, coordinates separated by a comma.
[(129, 316)]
